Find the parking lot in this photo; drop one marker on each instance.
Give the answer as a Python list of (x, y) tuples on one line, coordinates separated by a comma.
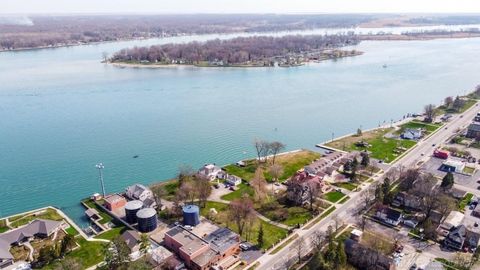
[(433, 165)]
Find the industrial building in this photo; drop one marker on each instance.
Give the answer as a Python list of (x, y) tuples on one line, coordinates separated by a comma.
[(147, 220), (131, 209), (115, 202), (191, 215)]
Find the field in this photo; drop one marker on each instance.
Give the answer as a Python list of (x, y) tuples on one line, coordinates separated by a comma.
[(386, 149), (272, 234), (291, 162)]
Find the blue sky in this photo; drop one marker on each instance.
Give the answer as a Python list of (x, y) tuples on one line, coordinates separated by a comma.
[(236, 6)]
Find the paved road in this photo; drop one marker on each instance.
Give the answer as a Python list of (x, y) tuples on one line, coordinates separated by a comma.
[(285, 257)]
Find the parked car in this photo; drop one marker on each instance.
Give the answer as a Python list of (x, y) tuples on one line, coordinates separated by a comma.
[(245, 246), (413, 267), (410, 223)]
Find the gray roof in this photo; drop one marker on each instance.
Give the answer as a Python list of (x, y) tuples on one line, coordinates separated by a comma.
[(133, 205), (222, 239), (131, 238), (474, 127), (36, 227), (146, 213), (137, 190)]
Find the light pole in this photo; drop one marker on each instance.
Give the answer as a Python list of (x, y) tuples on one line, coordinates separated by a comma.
[(100, 167)]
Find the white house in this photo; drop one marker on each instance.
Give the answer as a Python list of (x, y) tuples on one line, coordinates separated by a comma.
[(141, 193), (209, 171), (233, 180), (412, 134)]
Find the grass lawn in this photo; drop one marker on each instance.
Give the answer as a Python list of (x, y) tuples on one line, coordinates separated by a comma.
[(429, 128), (105, 217), (333, 196), (346, 198), (290, 163), (112, 233), (89, 254), (3, 226), (461, 205), (71, 231), (241, 189), (170, 187), (272, 234), (346, 185), (296, 215), (380, 147), (49, 213)]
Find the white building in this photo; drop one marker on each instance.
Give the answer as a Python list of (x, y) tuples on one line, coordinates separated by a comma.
[(209, 171), (141, 193)]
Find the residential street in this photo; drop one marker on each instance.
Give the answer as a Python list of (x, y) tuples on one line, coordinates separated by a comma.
[(347, 211)]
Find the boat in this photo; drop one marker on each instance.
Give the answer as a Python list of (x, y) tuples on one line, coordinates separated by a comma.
[(384, 66), (136, 156)]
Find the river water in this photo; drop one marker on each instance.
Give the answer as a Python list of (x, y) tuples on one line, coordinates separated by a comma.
[(62, 111)]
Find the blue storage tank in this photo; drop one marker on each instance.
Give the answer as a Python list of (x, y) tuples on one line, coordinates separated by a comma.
[(191, 215), (147, 220)]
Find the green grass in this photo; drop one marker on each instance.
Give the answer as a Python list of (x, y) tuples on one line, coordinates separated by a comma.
[(241, 189), (284, 244), (296, 215), (112, 233), (384, 148), (429, 128), (71, 231), (346, 198), (170, 187), (450, 265), (3, 226), (89, 254), (290, 163), (48, 213), (105, 216), (333, 196), (346, 185), (272, 233), (461, 205)]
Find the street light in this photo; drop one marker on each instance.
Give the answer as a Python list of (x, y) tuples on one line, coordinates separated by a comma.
[(100, 167)]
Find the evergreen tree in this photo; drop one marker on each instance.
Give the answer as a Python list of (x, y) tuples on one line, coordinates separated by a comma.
[(386, 186), (365, 160), (341, 258), (447, 181), (260, 239)]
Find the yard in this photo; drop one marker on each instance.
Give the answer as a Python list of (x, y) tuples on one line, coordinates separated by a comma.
[(272, 234), (429, 128), (347, 185), (285, 214), (88, 254), (238, 193), (290, 162), (3, 226), (48, 213), (381, 148), (333, 196), (112, 233), (170, 187)]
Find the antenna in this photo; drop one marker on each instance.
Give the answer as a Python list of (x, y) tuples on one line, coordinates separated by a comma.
[(100, 167)]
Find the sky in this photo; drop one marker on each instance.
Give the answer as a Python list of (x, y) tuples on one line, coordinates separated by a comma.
[(238, 6)]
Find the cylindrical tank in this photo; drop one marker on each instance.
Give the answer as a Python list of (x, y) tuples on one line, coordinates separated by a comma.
[(131, 209), (147, 220), (191, 215)]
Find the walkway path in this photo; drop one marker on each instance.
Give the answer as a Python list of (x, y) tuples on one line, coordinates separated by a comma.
[(31, 250)]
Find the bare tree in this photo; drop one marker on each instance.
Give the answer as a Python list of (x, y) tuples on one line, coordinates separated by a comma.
[(318, 240), (261, 147), (313, 193), (185, 173), (259, 185), (240, 212), (300, 247), (275, 148), (429, 113), (188, 192), (204, 189), (276, 171), (368, 197), (448, 102)]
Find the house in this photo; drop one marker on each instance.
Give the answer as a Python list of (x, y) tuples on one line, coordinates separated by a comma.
[(299, 187), (456, 238), (141, 193), (451, 165), (39, 228), (115, 202), (454, 219), (473, 130), (412, 134), (209, 171), (363, 257), (356, 235), (233, 180), (457, 193), (404, 199), (389, 216), (132, 239)]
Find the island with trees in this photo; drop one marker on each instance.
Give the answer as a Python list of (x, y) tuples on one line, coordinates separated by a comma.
[(256, 51)]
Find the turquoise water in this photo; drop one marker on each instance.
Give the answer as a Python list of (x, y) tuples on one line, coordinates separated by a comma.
[(62, 112)]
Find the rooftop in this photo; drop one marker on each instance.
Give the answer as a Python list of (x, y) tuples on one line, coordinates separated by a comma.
[(114, 198), (222, 239), (189, 241)]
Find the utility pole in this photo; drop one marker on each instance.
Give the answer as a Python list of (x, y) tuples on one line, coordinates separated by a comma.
[(100, 167)]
